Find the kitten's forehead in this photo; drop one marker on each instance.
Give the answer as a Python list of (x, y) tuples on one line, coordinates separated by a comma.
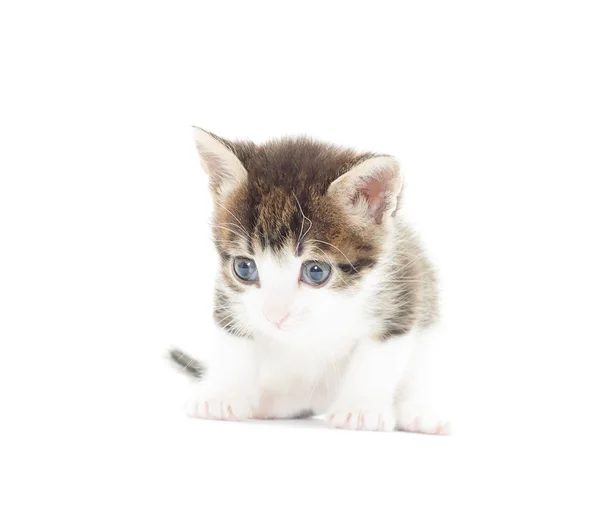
[(277, 220), (282, 222), (283, 207), (284, 225)]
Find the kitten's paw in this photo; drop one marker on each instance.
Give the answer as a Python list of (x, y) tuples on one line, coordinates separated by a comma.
[(362, 419), (235, 409), (422, 418)]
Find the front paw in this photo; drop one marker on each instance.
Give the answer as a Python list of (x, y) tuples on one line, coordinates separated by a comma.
[(362, 419), (220, 408), (420, 417)]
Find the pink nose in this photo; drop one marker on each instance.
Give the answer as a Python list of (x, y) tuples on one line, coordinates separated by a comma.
[(276, 316)]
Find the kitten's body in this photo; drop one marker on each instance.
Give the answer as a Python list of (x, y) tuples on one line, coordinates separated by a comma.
[(284, 347)]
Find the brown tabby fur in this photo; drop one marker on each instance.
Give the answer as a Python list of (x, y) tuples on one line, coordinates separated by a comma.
[(284, 205)]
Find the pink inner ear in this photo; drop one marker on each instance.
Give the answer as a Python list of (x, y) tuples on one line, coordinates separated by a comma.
[(374, 192)]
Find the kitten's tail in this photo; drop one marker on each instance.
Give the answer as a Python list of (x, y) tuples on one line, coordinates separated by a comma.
[(187, 363)]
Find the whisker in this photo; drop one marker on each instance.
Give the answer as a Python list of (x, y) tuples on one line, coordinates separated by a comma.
[(230, 230), (302, 234), (229, 224), (232, 215)]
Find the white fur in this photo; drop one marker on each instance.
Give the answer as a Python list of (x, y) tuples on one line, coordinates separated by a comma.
[(322, 358), (367, 393)]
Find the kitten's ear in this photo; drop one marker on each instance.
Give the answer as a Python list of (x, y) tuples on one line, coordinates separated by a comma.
[(224, 168), (371, 189)]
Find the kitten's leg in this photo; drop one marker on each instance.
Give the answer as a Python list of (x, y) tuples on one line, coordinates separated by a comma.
[(367, 392), (229, 389), (423, 402)]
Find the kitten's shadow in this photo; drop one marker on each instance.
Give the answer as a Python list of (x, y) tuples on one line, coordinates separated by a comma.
[(302, 423)]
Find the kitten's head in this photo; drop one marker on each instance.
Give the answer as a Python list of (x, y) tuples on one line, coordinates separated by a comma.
[(299, 225)]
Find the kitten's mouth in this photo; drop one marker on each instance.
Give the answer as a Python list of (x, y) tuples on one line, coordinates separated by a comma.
[(279, 325), (278, 321), (278, 330)]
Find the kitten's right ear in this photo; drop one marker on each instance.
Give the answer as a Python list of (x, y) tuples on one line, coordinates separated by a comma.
[(224, 168)]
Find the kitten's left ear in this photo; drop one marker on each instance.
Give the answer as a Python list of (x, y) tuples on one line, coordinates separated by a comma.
[(371, 189), (224, 168)]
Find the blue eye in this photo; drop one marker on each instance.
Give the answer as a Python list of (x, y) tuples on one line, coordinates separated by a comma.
[(315, 273), (245, 269)]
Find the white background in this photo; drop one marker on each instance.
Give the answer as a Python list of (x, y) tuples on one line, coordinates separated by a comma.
[(493, 110)]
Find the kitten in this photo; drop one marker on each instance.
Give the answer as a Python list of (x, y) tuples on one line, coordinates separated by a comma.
[(324, 297)]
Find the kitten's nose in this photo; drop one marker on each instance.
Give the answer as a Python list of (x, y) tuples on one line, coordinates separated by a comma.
[(276, 315)]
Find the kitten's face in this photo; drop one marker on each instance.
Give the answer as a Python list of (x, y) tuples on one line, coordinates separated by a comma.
[(290, 275), (299, 227)]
